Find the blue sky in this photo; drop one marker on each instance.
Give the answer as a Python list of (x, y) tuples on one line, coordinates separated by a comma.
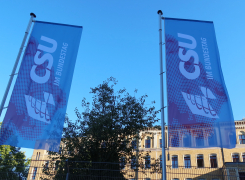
[(120, 39)]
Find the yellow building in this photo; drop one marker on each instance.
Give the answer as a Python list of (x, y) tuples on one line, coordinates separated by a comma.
[(181, 163)]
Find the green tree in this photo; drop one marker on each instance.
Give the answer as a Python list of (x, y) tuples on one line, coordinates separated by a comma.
[(103, 132), (13, 163)]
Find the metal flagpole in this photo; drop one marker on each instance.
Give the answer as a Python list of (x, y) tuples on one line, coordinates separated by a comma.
[(162, 98), (16, 63)]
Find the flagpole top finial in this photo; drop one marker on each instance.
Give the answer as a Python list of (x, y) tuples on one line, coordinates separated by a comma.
[(159, 12), (34, 15)]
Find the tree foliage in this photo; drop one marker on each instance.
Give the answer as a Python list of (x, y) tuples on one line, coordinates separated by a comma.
[(13, 163), (103, 132)]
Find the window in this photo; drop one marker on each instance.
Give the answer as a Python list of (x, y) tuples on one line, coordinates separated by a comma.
[(174, 161), (174, 140), (148, 162), (212, 139), (46, 163), (38, 156), (213, 161), (242, 139), (187, 140), (147, 179), (122, 163), (56, 165), (34, 173), (188, 179), (243, 157), (148, 142), (160, 161), (242, 175), (200, 140), (200, 163), (235, 157), (175, 179), (133, 162), (187, 160), (134, 144), (160, 143)]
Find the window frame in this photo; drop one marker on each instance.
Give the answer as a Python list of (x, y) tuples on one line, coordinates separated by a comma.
[(34, 173), (202, 160), (147, 162), (233, 158), (148, 142), (243, 157), (188, 166), (174, 166), (160, 158), (215, 159), (242, 138)]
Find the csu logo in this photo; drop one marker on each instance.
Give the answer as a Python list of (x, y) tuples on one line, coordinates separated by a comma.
[(36, 108), (46, 57), (186, 57), (197, 104)]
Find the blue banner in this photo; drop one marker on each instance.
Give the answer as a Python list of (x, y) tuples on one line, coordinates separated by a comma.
[(199, 109), (37, 107)]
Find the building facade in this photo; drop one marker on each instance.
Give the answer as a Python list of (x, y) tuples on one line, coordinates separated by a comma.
[(181, 163)]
